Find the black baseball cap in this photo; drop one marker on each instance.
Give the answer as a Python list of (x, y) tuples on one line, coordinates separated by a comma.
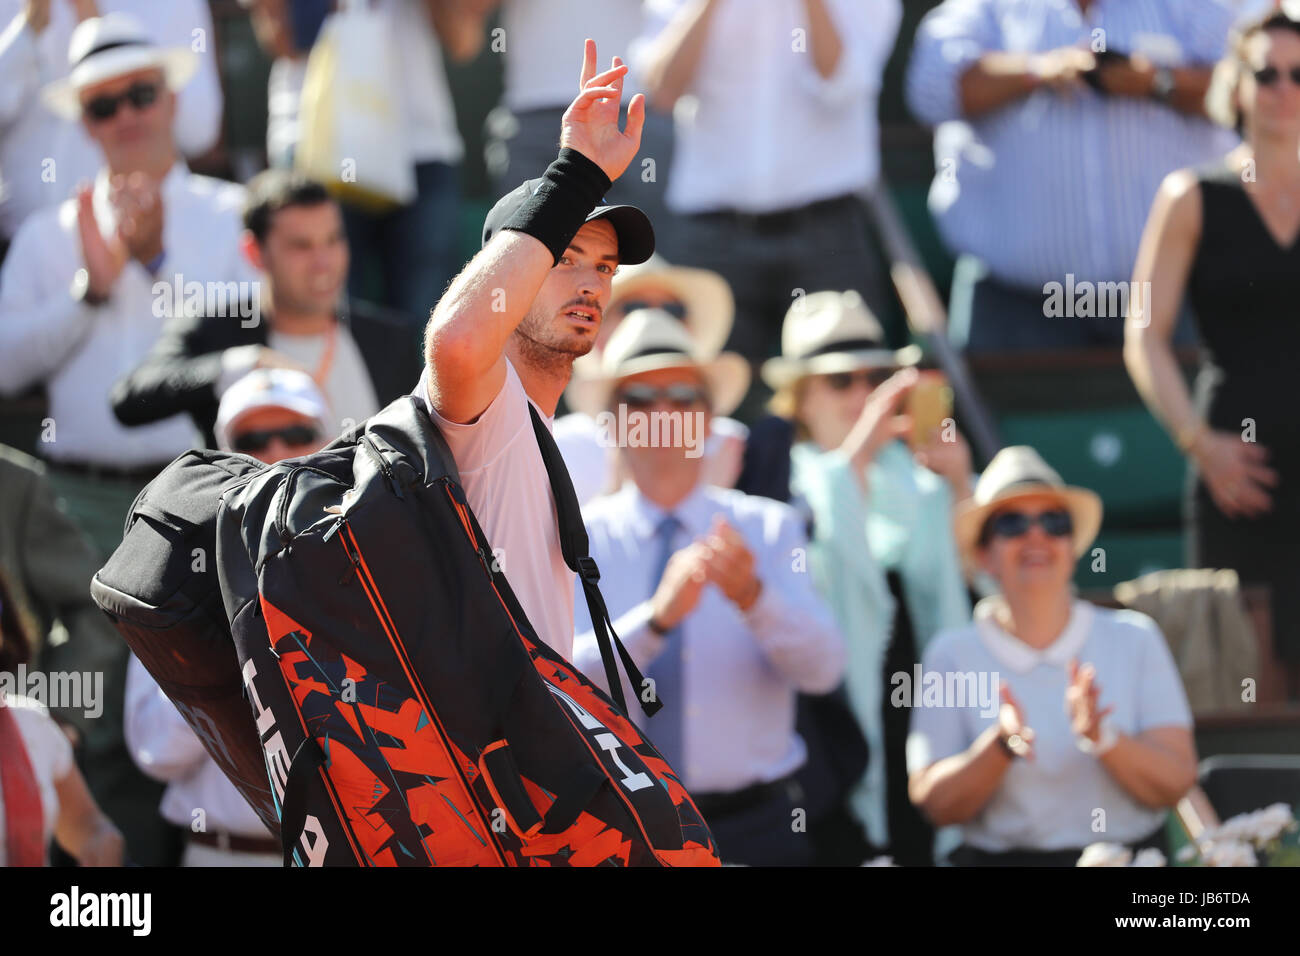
[(636, 237)]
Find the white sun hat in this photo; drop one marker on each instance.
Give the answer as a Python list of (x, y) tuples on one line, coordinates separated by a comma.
[(648, 340), (113, 45), (827, 332)]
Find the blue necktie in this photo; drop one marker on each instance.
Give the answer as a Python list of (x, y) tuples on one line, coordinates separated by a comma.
[(665, 727)]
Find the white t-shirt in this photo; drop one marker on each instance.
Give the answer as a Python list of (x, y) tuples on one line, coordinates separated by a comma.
[(50, 755), (509, 492), (543, 43), (348, 389)]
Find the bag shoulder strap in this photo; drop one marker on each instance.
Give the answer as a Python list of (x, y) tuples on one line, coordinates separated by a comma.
[(574, 545)]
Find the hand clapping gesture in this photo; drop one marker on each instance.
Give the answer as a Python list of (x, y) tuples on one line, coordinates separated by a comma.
[(1082, 694)]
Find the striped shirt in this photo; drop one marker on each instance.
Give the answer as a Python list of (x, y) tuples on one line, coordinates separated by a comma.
[(1054, 184)]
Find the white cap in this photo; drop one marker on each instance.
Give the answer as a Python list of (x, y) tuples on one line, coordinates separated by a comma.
[(270, 388)]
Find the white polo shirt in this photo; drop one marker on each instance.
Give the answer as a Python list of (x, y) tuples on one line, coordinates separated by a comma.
[(505, 481), (1054, 801)]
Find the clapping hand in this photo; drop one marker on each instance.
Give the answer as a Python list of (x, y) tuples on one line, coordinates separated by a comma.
[(1082, 695), (590, 124), (1011, 725)]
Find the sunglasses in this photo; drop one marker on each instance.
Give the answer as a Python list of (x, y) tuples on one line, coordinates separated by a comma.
[(676, 309), (1056, 523), (643, 396), (140, 95), (871, 377), (1269, 75), (294, 436)]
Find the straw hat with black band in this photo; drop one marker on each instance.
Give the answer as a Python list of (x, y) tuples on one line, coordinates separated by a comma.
[(648, 340), (706, 296), (110, 46), (1020, 472), (829, 332)]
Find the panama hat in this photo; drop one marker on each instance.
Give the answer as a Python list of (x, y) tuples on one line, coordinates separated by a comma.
[(113, 45), (1018, 472), (828, 332), (651, 339), (710, 306)]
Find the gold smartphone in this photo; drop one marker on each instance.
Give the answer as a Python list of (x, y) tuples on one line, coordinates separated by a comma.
[(928, 404)]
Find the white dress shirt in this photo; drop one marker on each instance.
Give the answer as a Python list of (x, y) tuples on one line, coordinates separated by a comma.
[(164, 747), (740, 670), (760, 129), (543, 41), (78, 351), (31, 135)]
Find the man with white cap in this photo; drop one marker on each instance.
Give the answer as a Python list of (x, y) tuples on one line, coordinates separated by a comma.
[(271, 414), (88, 284), (84, 292), (44, 153), (711, 595)]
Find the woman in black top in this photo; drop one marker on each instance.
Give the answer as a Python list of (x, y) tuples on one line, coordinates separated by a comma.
[(1228, 237)]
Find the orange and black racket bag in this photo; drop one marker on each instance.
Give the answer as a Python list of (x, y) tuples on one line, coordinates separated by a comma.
[(406, 710)]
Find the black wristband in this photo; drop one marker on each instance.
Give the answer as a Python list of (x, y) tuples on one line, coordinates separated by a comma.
[(570, 188)]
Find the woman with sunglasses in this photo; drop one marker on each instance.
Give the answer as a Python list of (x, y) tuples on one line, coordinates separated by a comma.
[(1228, 238), (1047, 724), (883, 552)]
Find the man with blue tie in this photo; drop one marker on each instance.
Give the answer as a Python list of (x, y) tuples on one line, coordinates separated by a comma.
[(709, 590)]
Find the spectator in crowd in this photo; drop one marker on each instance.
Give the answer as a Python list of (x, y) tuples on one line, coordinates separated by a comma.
[(770, 85), (84, 293), (539, 86), (883, 551), (271, 414), (1027, 744), (696, 297), (44, 154), (361, 357), (42, 793), (709, 599), (1227, 237), (1055, 124), (47, 564), (409, 254), (87, 285)]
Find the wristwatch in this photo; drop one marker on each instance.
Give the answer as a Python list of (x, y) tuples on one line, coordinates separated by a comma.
[(81, 291), (1162, 85), (1106, 739)]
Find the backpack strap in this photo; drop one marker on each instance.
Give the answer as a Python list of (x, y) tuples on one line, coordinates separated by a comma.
[(573, 542)]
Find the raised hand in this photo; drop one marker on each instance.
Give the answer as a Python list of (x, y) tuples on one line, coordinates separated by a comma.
[(104, 258), (590, 124)]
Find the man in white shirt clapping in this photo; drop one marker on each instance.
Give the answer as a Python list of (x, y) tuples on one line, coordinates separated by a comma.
[(776, 140)]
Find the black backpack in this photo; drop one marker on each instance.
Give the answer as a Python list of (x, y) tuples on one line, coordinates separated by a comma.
[(396, 699)]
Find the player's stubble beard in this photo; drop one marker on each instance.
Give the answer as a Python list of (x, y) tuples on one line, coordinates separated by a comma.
[(546, 344)]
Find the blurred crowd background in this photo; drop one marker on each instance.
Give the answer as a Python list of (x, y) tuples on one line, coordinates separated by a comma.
[(864, 209)]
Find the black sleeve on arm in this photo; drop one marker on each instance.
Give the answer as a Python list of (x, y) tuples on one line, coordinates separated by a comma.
[(179, 375), (571, 187)]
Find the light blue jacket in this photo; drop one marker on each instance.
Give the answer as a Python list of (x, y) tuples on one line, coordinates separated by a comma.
[(903, 522)]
